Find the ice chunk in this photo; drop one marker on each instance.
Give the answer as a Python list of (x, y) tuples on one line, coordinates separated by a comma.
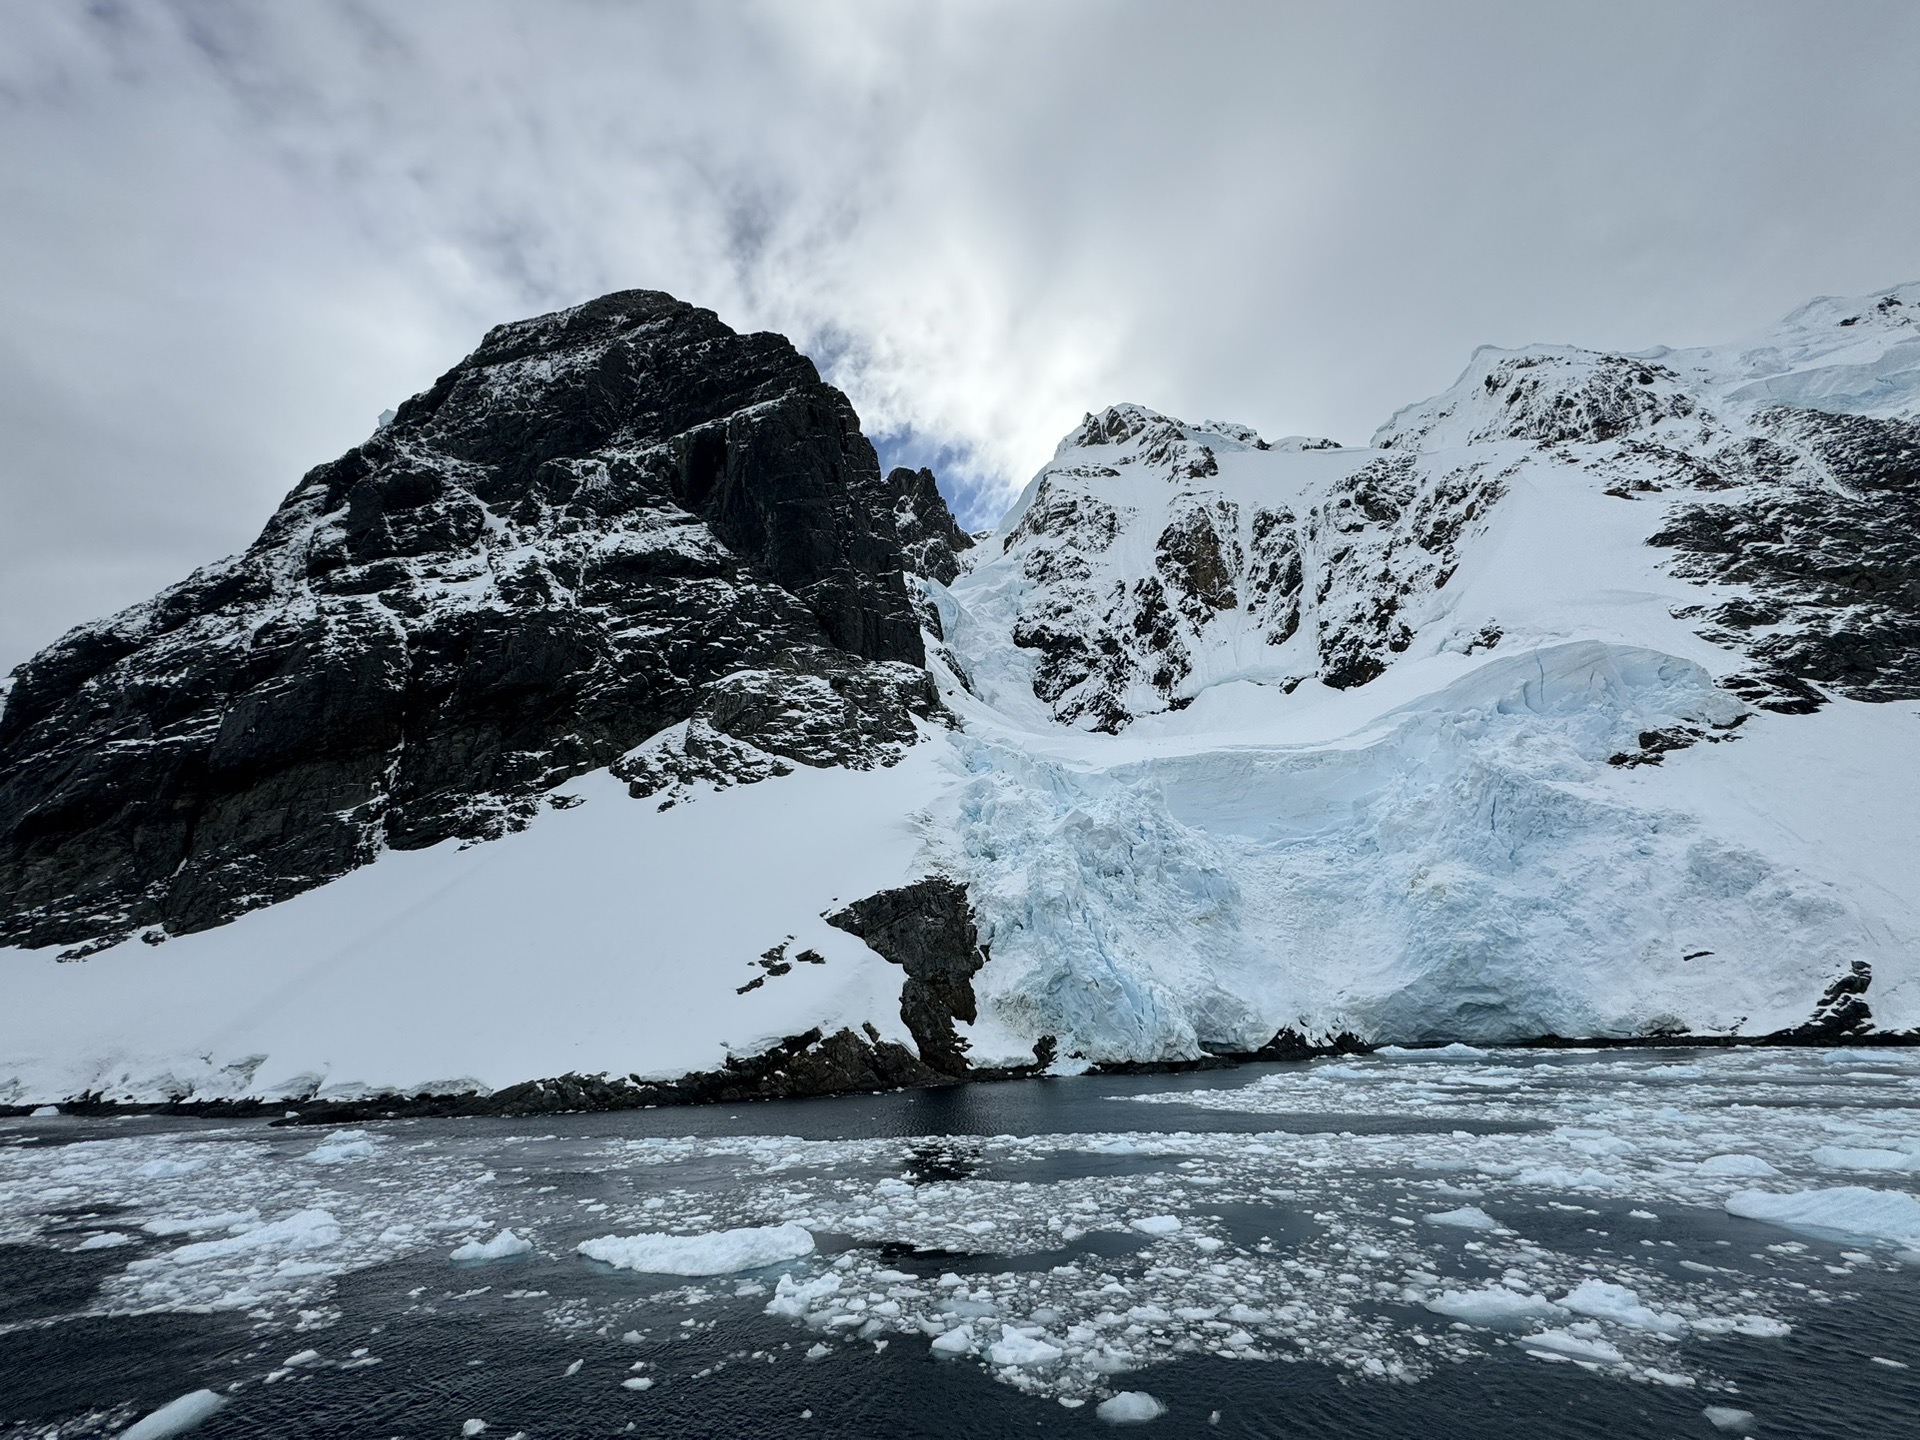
[(1606, 1301), (302, 1230), (957, 1341), (343, 1146), (637, 1382), (1751, 1165), (169, 1169), (177, 1417), (474, 1427), (1129, 1407), (47, 1112), (199, 1224), (719, 1252), (1852, 1212), (1013, 1348), (1734, 1422), (1574, 1347), (1839, 1157), (1494, 1307), (504, 1244), (1157, 1224), (1760, 1327), (105, 1240), (1455, 1051), (1467, 1217), (792, 1297)]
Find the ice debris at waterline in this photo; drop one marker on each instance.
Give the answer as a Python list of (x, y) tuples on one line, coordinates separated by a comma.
[(1063, 1263)]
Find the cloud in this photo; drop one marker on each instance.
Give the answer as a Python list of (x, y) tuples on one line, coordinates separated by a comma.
[(231, 234)]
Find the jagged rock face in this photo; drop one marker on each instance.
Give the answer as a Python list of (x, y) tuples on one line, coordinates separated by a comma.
[(1157, 557), (1815, 505), (927, 929), (931, 541), (603, 524), (1825, 542)]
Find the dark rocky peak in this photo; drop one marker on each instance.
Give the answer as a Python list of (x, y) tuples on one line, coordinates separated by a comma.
[(1146, 437), (579, 538), (931, 540), (572, 420)]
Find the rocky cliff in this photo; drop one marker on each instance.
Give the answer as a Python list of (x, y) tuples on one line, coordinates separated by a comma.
[(603, 524)]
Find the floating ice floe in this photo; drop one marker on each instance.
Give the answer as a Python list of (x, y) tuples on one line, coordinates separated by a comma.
[(1467, 1217), (1604, 1300), (1840, 1157), (501, 1247), (342, 1147), (302, 1230), (957, 1341), (1016, 1348), (1582, 1342), (177, 1417), (1846, 1212), (1494, 1307), (720, 1252), (1130, 1407)]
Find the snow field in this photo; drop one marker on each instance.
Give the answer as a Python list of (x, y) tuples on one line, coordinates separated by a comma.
[(594, 942)]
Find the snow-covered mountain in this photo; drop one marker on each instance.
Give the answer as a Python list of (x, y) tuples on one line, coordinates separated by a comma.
[(1579, 703)]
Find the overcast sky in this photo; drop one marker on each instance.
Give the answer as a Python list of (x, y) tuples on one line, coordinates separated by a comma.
[(230, 235)]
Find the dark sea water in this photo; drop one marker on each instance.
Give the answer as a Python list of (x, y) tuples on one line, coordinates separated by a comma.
[(1252, 1248)]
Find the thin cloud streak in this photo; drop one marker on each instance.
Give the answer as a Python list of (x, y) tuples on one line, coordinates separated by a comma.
[(230, 235)]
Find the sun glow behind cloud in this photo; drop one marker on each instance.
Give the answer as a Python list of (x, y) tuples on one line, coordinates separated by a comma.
[(233, 234)]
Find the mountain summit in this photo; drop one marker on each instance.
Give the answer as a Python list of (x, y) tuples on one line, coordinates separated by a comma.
[(601, 524)]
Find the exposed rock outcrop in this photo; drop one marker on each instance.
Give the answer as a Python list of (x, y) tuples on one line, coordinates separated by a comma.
[(931, 540), (927, 929)]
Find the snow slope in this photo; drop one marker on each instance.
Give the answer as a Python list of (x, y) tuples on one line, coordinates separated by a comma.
[(590, 942), (1471, 734)]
